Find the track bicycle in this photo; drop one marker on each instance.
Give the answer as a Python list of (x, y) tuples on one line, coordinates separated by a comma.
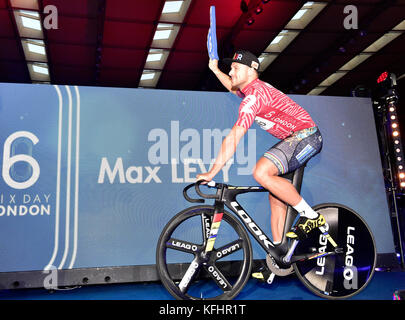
[(205, 252)]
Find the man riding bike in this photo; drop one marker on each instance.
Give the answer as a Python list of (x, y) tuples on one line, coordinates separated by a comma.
[(283, 118)]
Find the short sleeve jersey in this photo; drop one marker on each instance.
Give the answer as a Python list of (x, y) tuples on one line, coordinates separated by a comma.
[(272, 110)]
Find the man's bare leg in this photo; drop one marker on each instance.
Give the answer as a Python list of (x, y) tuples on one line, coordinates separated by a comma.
[(284, 192), (277, 217)]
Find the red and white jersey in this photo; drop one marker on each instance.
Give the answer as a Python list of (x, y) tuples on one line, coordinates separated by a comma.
[(272, 110)]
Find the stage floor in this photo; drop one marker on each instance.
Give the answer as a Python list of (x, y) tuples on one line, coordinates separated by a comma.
[(381, 287)]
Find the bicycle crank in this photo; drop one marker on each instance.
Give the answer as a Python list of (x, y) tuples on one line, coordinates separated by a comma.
[(312, 255)]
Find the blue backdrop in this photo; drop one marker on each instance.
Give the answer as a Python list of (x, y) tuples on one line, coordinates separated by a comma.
[(91, 175)]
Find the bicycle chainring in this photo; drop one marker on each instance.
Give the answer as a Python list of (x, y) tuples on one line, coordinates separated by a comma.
[(272, 265)]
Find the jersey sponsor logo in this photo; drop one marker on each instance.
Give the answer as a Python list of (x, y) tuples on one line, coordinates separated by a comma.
[(285, 123), (270, 114), (264, 123)]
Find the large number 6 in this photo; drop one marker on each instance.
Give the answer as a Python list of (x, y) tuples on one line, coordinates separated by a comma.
[(8, 161)]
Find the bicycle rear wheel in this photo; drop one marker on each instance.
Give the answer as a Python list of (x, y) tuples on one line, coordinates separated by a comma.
[(184, 269), (344, 274)]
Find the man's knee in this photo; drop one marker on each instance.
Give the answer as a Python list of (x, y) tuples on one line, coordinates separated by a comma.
[(264, 170), (259, 174)]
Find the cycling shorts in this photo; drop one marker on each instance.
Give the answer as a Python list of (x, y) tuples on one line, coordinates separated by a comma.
[(295, 150)]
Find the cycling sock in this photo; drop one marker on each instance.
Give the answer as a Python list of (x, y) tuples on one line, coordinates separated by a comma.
[(305, 210)]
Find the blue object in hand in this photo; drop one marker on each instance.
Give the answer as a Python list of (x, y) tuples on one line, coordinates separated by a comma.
[(212, 36)]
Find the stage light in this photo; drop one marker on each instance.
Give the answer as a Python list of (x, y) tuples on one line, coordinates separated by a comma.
[(385, 99), (163, 31), (299, 14), (159, 35), (250, 21), (153, 57), (43, 69), (259, 10), (172, 7), (279, 37), (36, 46), (31, 23), (147, 76)]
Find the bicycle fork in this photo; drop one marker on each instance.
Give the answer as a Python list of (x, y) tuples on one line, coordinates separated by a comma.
[(216, 221)]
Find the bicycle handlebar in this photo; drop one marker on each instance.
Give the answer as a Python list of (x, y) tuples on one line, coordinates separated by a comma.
[(185, 195), (201, 194)]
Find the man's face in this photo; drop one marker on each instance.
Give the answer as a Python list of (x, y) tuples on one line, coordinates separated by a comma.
[(239, 74)]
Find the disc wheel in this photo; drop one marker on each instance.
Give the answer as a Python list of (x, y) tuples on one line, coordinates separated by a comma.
[(187, 272), (344, 274)]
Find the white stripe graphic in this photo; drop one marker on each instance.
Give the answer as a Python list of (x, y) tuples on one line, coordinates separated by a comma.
[(76, 213), (56, 241), (69, 160)]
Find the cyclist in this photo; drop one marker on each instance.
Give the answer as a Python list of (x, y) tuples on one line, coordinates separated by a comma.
[(280, 116)]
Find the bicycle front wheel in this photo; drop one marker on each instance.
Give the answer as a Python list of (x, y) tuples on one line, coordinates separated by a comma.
[(343, 274), (187, 271)]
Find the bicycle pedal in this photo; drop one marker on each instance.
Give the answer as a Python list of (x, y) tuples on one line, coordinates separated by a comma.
[(339, 250), (270, 278), (264, 276), (258, 276)]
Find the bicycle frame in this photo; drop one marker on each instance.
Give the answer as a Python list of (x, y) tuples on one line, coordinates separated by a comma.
[(229, 196), (226, 196)]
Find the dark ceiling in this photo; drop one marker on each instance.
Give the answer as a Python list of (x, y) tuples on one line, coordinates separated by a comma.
[(106, 43)]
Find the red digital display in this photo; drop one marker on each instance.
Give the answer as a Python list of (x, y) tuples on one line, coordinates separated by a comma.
[(382, 77)]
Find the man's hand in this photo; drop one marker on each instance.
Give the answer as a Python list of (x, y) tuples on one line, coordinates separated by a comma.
[(205, 176)]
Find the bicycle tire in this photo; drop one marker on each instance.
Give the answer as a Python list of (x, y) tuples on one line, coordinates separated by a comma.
[(171, 273), (342, 275)]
